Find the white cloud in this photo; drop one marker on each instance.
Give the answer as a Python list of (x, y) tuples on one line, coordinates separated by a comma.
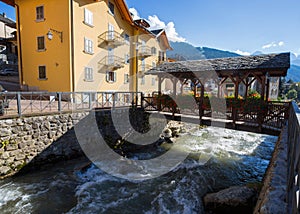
[(243, 53), (156, 23), (273, 44), (134, 13), (281, 43)]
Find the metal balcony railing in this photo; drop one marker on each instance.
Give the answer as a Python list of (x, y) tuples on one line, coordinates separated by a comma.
[(112, 62), (144, 67), (144, 51), (111, 39)]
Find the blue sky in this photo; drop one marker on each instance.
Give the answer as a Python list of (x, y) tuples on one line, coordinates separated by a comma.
[(236, 25)]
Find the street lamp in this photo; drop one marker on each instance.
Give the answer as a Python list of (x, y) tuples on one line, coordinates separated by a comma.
[(50, 34)]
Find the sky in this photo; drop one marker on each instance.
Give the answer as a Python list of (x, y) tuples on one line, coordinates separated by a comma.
[(241, 26)]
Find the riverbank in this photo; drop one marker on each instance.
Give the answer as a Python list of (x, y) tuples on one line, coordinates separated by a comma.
[(219, 158)]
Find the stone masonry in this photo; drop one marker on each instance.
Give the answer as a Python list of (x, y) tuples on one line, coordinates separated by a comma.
[(25, 140)]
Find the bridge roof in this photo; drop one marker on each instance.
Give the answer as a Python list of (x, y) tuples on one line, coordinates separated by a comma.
[(274, 64)]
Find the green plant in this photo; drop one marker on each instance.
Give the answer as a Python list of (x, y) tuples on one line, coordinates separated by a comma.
[(4, 144)]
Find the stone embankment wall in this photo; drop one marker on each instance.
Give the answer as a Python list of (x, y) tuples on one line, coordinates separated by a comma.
[(272, 198), (29, 139), (38, 140)]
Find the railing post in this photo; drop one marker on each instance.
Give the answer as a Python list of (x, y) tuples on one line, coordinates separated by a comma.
[(114, 101), (90, 100), (19, 104), (142, 100), (59, 101), (132, 99)]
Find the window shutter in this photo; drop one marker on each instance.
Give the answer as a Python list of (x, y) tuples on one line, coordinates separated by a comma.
[(107, 76), (85, 15), (115, 76), (85, 44)]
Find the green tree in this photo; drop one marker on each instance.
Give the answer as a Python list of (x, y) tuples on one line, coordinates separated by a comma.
[(292, 94)]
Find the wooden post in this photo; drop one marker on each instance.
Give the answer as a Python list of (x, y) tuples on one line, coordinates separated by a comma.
[(195, 88), (201, 104), (159, 84), (262, 100), (174, 81), (234, 108), (268, 90), (247, 86)]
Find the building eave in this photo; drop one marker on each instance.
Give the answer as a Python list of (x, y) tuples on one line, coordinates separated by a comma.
[(9, 2)]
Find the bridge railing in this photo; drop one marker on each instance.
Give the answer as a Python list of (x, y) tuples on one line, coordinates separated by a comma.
[(26, 103), (293, 158), (271, 114)]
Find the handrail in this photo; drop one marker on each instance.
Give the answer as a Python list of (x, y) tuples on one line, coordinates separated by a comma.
[(27, 103), (113, 62), (145, 51), (112, 37), (293, 159)]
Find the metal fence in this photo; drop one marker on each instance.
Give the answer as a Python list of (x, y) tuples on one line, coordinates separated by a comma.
[(26, 103)]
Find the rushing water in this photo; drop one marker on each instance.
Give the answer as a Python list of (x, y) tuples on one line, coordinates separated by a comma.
[(220, 158)]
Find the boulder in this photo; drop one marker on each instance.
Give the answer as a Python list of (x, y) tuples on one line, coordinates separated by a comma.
[(236, 199)]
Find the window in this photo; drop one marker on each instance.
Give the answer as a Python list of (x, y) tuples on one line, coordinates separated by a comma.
[(42, 72), (111, 8), (88, 46), (127, 58), (126, 38), (143, 80), (161, 56), (88, 74), (40, 13), (153, 81), (41, 43), (126, 78), (111, 76), (153, 51), (111, 32), (88, 17)]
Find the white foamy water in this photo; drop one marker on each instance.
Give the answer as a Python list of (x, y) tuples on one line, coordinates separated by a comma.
[(219, 158)]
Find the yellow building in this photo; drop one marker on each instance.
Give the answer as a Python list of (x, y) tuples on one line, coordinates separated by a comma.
[(84, 45)]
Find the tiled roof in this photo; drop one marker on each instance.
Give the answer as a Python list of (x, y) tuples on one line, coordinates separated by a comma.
[(7, 21)]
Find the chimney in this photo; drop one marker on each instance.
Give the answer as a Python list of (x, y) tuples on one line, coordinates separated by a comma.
[(4, 15)]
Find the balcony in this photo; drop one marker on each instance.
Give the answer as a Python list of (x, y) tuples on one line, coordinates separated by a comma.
[(110, 39), (112, 62), (144, 51), (144, 68)]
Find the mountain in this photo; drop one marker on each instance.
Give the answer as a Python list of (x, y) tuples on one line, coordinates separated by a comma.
[(211, 53), (294, 73), (186, 51), (257, 53)]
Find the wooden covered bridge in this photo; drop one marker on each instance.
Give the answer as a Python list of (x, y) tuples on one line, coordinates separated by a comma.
[(256, 111)]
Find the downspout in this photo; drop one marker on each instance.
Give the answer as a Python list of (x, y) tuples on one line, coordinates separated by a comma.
[(72, 48), (20, 47)]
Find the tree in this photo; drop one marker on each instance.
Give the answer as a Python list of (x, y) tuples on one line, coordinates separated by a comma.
[(292, 94)]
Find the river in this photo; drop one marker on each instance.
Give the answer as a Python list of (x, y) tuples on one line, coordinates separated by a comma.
[(220, 158)]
